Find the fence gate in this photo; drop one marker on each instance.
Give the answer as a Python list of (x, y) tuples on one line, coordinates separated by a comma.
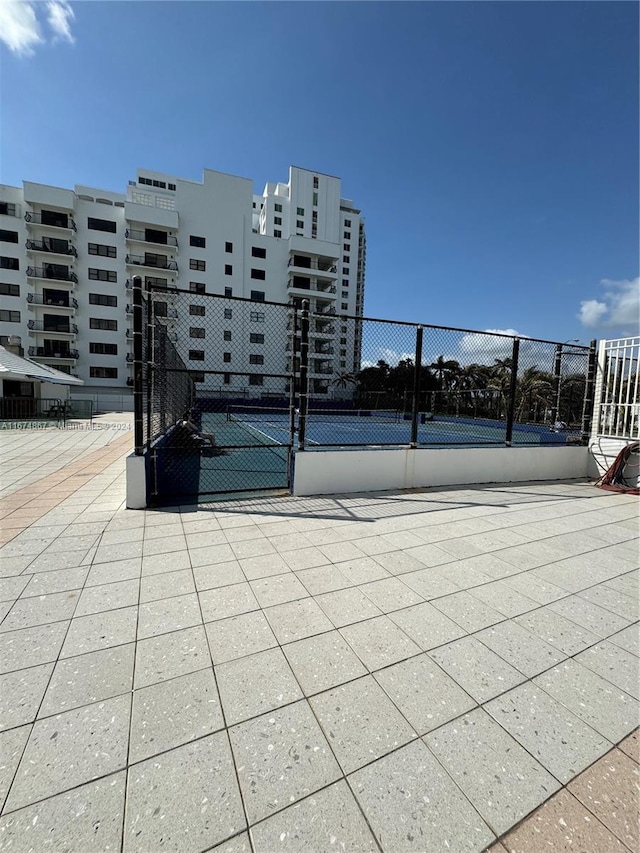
[(218, 363)]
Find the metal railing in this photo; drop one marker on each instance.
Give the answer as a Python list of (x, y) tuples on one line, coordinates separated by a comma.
[(617, 394), (62, 221), (69, 329), (47, 352), (142, 237), (141, 261), (45, 245), (52, 274), (39, 299), (44, 409)]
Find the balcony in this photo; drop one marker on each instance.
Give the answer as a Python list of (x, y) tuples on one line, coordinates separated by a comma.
[(50, 219), (322, 350), (312, 287), (325, 310), (51, 246), (327, 266), (52, 302), (130, 359), (47, 328), (53, 272), (322, 329), (321, 371), (61, 354), (150, 236), (156, 263)]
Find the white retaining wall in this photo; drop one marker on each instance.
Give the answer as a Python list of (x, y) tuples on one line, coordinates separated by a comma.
[(330, 472)]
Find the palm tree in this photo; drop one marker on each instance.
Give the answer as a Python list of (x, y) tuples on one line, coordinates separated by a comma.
[(535, 387), (343, 379)]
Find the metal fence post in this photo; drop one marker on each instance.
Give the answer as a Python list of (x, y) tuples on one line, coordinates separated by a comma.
[(149, 375), (513, 386), (589, 395), (557, 371), (292, 376), (138, 431), (304, 375), (417, 370)]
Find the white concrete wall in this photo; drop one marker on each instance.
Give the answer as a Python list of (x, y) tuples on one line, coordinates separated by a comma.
[(331, 472)]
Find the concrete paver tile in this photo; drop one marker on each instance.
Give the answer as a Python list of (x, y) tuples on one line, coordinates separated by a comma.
[(504, 599), (263, 566), (322, 662), (503, 781), (87, 818), (424, 693), (323, 579), (610, 790), (168, 614), (477, 669), (281, 757), (21, 692), (631, 745), (100, 631), (618, 666), (596, 619), (252, 685), (467, 611), (628, 638), (390, 594), (166, 585), (427, 626), (412, 805), (171, 713), (227, 601), (89, 678), (278, 589), (361, 722), (429, 583), (606, 708), (220, 574), (186, 799), (564, 635), (169, 655), (559, 740), (329, 819), (31, 646), (523, 650), (305, 558), (295, 620), (398, 563), (108, 596), (379, 642), (71, 748), (562, 824), (207, 556), (12, 587), (45, 583), (239, 635), (345, 606), (118, 570), (158, 563), (12, 744)]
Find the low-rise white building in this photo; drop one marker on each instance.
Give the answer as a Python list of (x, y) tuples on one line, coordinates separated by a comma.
[(68, 257)]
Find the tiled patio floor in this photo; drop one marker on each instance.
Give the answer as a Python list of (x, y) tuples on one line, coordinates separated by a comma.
[(397, 672)]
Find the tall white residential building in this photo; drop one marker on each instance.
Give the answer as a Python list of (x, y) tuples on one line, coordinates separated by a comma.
[(67, 258)]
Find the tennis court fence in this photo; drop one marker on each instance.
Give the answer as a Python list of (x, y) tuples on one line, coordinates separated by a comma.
[(305, 377)]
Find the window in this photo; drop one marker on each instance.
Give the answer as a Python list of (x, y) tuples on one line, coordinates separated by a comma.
[(226, 378), (256, 379), (196, 376), (299, 223), (197, 265), (257, 295), (346, 247), (171, 187), (197, 287), (196, 355), (9, 289), (7, 208), (258, 252), (256, 359), (300, 211), (228, 292), (343, 364), (103, 299), (256, 338), (228, 314), (198, 242), (258, 274), (102, 275), (347, 223), (345, 259), (103, 372), (277, 233), (347, 235), (314, 216), (256, 317), (9, 263), (160, 309), (103, 349), (315, 200), (160, 283), (345, 270), (345, 282), (196, 332), (343, 340), (344, 306), (104, 251), (226, 356), (228, 247), (345, 294), (228, 269), (197, 310), (277, 220), (315, 182), (101, 225), (226, 335), (8, 236), (103, 325), (10, 316), (343, 352)]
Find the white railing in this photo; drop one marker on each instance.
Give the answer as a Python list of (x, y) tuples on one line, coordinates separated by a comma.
[(617, 392)]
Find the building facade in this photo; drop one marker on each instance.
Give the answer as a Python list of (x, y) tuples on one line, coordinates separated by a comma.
[(68, 257)]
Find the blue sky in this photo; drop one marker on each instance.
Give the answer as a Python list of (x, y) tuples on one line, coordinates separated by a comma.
[(493, 147)]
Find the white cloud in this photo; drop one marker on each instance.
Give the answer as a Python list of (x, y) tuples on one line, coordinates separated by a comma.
[(22, 31), (60, 15), (618, 307)]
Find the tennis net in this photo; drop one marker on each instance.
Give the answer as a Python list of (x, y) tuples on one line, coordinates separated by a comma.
[(265, 414)]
